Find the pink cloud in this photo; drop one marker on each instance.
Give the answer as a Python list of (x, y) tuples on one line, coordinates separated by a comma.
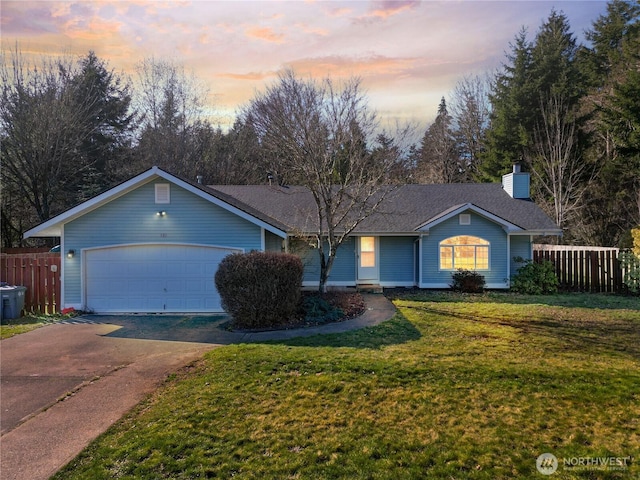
[(265, 33), (341, 66), (340, 12), (252, 76), (91, 29), (385, 9), (323, 32), (389, 8)]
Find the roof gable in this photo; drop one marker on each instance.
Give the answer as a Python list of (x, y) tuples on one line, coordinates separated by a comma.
[(456, 210), (53, 226)]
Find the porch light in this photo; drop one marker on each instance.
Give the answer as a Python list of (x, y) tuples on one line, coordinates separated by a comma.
[(71, 253), (161, 213)]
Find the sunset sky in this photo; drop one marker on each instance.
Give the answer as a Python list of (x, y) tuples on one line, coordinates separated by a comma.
[(408, 53)]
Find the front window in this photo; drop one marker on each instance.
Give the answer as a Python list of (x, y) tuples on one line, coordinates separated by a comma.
[(367, 252), (464, 251)]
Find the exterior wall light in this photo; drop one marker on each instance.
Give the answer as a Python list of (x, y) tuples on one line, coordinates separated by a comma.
[(71, 253), (161, 213)]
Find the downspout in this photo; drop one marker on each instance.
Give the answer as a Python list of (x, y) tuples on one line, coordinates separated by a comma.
[(61, 300), (508, 282), (416, 247), (421, 258)]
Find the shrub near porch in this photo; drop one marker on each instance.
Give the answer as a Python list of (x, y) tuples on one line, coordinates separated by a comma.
[(455, 386)]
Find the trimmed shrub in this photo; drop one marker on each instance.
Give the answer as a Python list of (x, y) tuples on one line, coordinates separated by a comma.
[(467, 281), (534, 278), (260, 289)]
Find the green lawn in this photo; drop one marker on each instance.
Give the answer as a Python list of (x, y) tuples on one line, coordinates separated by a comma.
[(16, 326), (453, 387)]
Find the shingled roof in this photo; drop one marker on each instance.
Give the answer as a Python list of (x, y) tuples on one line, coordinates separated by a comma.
[(405, 209)]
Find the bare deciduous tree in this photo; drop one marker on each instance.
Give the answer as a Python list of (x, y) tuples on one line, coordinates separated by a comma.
[(317, 131), (43, 124), (172, 128), (560, 175), (470, 109)]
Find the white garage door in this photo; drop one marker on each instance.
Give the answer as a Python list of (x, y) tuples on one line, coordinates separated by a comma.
[(153, 278)]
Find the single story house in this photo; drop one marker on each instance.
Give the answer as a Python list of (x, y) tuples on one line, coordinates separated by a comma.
[(153, 243)]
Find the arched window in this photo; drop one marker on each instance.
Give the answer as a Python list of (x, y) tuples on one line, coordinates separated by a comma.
[(464, 251)]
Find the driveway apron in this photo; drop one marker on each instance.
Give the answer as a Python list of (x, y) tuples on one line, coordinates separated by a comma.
[(63, 385)]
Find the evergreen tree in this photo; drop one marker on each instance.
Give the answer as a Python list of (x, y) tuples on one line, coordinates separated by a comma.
[(612, 206), (534, 73), (109, 124), (249, 160), (554, 71), (439, 160), (512, 116), (555, 153)]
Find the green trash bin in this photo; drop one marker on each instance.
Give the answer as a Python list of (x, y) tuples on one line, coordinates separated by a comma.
[(12, 301)]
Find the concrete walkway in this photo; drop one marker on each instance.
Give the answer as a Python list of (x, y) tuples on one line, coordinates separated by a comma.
[(65, 384)]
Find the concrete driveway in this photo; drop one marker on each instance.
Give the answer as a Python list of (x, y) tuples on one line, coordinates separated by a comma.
[(64, 384)]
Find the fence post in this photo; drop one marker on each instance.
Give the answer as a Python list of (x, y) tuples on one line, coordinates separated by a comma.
[(580, 271), (603, 271), (593, 267)]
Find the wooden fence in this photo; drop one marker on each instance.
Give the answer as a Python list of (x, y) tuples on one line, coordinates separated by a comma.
[(40, 273), (583, 269)]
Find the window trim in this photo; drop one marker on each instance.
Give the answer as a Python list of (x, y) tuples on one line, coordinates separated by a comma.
[(475, 246)]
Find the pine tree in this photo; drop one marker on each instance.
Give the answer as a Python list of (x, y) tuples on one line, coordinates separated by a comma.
[(439, 159), (511, 121), (612, 206), (109, 124)]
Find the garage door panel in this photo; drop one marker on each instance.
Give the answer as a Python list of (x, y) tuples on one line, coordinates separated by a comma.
[(153, 278)]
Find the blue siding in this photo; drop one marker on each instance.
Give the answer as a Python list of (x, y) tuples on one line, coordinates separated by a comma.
[(272, 243), (344, 266), (520, 247), (132, 218), (516, 184), (397, 260), (480, 227), (521, 185)]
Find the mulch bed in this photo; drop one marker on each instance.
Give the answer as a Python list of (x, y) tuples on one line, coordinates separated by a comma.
[(350, 303)]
